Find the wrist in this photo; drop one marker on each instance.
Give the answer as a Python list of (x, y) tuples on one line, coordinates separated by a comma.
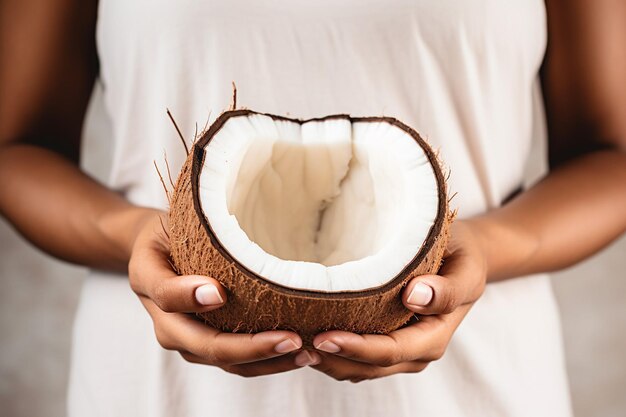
[(507, 248), (120, 228)]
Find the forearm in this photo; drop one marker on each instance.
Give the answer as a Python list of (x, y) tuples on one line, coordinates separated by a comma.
[(63, 211), (575, 211)]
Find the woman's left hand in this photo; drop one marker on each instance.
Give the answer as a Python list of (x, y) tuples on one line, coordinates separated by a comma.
[(441, 301)]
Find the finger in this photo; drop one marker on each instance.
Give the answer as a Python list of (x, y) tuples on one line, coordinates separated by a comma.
[(380, 350), (460, 281), (307, 358), (271, 366), (152, 276), (425, 340), (343, 369), (182, 332)]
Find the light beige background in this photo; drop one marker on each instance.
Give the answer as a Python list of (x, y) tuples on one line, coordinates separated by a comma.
[(39, 295)]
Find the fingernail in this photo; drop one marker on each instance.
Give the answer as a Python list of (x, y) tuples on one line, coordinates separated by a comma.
[(286, 346), (306, 358), (208, 295), (420, 295), (328, 346)]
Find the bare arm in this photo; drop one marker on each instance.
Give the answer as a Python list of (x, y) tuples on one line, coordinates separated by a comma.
[(580, 207), (48, 64)]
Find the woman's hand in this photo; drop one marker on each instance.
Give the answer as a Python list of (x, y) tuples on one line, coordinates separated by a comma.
[(441, 301), (167, 297)]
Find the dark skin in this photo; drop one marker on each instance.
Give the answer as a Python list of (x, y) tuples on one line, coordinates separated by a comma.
[(48, 69)]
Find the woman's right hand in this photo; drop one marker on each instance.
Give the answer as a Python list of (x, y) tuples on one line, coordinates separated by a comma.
[(168, 298)]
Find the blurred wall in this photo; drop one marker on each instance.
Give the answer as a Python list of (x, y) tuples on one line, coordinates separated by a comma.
[(591, 300), (39, 296)]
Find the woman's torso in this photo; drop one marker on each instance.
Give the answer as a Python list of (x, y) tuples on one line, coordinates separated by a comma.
[(464, 74)]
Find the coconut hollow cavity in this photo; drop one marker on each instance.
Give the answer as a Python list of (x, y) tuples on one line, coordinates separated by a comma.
[(311, 225), (323, 205)]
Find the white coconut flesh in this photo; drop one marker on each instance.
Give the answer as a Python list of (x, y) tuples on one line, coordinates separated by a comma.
[(328, 205)]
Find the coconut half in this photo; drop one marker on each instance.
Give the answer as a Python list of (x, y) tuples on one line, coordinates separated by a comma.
[(311, 225)]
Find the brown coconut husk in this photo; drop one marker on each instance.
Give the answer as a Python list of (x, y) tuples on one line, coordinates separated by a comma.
[(256, 304)]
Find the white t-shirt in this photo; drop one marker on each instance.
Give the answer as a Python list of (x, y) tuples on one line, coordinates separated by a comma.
[(463, 74)]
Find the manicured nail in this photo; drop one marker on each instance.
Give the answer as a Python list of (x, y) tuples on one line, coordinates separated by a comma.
[(420, 295), (328, 346), (286, 346), (208, 295), (306, 358)]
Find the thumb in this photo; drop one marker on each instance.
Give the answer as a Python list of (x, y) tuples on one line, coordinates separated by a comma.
[(461, 280), (433, 294)]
